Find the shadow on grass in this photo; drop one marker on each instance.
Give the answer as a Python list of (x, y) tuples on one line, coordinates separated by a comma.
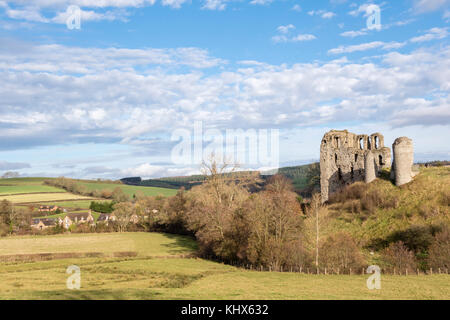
[(180, 244), (94, 294)]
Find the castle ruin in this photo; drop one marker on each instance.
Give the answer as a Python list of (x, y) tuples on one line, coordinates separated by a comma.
[(346, 158)]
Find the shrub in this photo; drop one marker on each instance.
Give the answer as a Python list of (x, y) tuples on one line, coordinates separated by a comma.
[(398, 256), (340, 251), (351, 192), (439, 252)]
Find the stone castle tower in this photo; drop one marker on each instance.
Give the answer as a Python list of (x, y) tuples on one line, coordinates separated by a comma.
[(346, 158)]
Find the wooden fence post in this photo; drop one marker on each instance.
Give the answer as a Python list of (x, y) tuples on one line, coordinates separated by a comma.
[(350, 272)]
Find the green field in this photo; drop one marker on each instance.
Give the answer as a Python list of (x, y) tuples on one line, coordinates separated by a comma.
[(25, 185), (42, 197), (145, 244), (129, 190), (153, 274), (6, 190)]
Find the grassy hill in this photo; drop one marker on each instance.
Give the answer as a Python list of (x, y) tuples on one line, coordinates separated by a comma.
[(25, 185), (33, 191), (157, 272), (380, 213), (128, 189), (304, 178)]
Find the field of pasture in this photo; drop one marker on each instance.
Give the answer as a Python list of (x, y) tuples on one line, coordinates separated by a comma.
[(42, 197), (33, 191), (129, 190), (156, 267)]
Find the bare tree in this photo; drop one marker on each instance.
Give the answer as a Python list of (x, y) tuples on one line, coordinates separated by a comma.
[(317, 218), (123, 212)]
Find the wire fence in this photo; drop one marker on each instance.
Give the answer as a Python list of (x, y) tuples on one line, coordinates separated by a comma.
[(336, 271)]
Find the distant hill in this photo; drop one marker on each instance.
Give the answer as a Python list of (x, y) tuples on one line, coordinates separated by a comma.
[(305, 179)]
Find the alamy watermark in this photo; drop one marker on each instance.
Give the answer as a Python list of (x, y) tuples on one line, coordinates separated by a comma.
[(251, 148), (73, 282), (374, 281), (374, 17), (73, 20)]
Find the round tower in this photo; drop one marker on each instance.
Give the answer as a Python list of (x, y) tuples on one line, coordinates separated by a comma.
[(403, 160)]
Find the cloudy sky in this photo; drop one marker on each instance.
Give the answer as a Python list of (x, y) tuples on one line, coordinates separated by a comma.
[(103, 101)]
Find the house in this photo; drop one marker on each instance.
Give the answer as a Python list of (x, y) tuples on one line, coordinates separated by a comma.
[(48, 208), (41, 224), (77, 218), (105, 218)]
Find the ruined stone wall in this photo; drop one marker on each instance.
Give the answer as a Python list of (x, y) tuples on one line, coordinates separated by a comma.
[(343, 159)]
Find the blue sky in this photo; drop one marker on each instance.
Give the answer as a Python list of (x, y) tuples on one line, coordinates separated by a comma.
[(104, 100)]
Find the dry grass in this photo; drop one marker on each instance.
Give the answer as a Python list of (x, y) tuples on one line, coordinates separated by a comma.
[(108, 275), (145, 244), (113, 278), (380, 208)]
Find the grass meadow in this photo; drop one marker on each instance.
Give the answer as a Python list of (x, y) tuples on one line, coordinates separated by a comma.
[(158, 272), (43, 197), (129, 190)]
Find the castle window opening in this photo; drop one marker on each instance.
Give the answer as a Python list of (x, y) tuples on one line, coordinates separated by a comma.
[(352, 173), (339, 174), (377, 145), (337, 142), (356, 157), (380, 160), (335, 158), (361, 143)]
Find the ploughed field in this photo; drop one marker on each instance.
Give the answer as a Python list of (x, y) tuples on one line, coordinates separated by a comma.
[(163, 266)]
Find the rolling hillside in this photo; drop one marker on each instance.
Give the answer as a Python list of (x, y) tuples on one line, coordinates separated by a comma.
[(155, 266), (34, 191)]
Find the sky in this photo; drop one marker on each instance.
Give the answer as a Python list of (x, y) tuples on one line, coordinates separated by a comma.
[(105, 100)]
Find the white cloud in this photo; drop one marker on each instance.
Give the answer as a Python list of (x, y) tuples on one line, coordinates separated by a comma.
[(297, 8), (328, 15), (367, 46), (85, 3), (261, 2), (26, 13), (114, 99), (322, 13), (297, 38), (89, 15), (433, 34), (423, 6), (353, 34), (173, 3), (303, 37), (147, 171), (215, 4), (285, 29), (60, 58)]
